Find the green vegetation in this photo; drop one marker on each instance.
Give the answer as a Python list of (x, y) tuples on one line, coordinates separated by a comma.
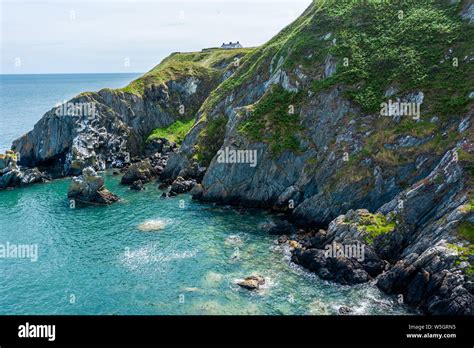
[(465, 254), (210, 140), (410, 45), (374, 225), (467, 160), (275, 120), (399, 43), (466, 231), (9, 154), (205, 65), (174, 132)]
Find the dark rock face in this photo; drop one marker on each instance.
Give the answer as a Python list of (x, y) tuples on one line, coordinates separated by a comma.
[(427, 281), (430, 273), (291, 181), (344, 270), (10, 178), (196, 191), (89, 188), (155, 146)]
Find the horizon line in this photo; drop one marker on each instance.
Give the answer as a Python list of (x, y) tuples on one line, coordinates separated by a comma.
[(74, 73)]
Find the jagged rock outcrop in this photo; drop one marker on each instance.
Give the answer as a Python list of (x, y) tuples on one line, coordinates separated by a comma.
[(435, 268), (89, 188), (12, 175), (341, 269), (418, 234), (282, 228)]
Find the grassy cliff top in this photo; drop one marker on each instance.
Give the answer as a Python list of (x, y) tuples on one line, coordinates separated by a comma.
[(188, 64)]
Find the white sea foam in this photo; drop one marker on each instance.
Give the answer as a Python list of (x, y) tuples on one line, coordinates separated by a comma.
[(152, 225), (151, 255)]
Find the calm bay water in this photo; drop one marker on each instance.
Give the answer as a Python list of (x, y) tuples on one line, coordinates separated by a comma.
[(99, 257), (96, 260)]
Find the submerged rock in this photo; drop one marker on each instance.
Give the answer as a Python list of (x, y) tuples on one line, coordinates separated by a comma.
[(252, 283), (282, 228), (89, 188)]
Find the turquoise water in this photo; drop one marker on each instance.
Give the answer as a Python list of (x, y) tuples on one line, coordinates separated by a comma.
[(95, 260), (25, 98)]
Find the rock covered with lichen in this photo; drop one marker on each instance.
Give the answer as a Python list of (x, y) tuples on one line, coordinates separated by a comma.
[(89, 188)]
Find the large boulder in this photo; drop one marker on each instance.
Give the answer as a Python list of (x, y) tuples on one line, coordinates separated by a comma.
[(33, 176), (143, 171), (89, 188), (180, 185)]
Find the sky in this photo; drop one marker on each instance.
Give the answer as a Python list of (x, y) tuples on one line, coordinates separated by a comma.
[(108, 36)]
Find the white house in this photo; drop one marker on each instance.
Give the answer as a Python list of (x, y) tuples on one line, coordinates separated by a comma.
[(231, 45)]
